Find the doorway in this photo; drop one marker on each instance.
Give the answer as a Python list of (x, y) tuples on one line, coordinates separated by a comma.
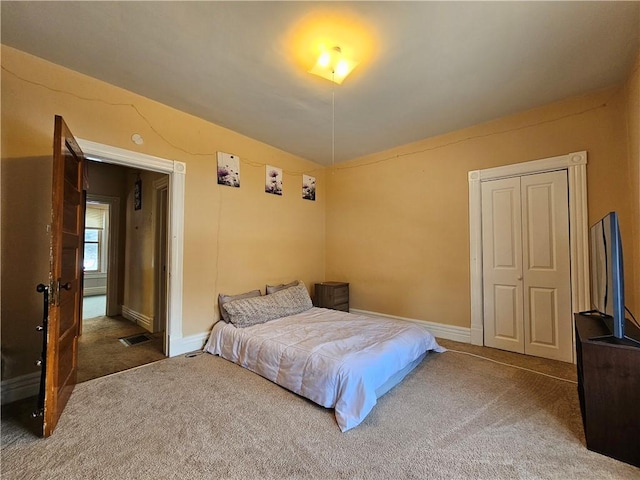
[(97, 240), (118, 328), (575, 166), (176, 344)]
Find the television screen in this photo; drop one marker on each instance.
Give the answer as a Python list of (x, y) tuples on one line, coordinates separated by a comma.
[(600, 278), (607, 276)]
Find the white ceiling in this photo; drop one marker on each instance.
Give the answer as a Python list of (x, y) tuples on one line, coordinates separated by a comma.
[(435, 66)]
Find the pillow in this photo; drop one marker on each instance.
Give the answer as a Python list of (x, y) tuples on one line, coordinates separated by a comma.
[(222, 299), (252, 311), (276, 288)]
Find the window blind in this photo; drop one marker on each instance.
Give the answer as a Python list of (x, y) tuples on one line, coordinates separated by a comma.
[(94, 217)]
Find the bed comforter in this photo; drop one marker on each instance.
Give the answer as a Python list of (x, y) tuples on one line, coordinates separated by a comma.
[(336, 359)]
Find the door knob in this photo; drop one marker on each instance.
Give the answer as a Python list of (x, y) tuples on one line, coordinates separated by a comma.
[(519, 278)]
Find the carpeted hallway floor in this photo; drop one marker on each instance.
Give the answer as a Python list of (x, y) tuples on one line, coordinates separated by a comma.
[(100, 351)]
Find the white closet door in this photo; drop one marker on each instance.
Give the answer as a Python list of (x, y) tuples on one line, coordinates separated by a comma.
[(546, 266), (502, 264)]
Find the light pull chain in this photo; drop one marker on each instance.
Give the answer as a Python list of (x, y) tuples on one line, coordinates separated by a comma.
[(333, 119)]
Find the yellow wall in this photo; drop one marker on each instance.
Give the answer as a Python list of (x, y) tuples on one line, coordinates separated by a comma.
[(632, 254), (140, 251), (235, 239), (398, 222)]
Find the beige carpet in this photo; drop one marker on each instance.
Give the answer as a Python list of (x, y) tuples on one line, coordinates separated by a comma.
[(455, 416), (554, 368), (101, 353)]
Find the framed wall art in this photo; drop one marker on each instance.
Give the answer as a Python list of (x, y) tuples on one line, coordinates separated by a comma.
[(273, 180), (308, 187), (228, 170)]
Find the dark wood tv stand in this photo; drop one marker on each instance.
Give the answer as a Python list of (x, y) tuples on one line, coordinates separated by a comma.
[(609, 389)]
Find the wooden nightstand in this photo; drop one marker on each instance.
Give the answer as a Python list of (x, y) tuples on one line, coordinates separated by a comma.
[(333, 295)]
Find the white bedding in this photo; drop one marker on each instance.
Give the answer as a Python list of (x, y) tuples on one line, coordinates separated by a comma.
[(336, 359)]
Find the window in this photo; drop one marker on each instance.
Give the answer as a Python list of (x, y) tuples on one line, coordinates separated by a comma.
[(92, 244), (95, 237)]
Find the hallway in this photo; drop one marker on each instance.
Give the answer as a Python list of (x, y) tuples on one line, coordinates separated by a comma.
[(100, 350)]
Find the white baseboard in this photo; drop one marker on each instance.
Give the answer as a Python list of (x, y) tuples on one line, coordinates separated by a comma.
[(450, 332), (143, 320), (20, 387), (179, 346), (477, 335)]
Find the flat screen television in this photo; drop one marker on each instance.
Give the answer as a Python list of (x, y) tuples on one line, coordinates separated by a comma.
[(607, 277)]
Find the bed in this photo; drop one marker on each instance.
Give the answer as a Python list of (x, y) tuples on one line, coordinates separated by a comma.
[(336, 359)]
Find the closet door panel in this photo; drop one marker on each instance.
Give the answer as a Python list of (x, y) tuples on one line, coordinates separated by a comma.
[(546, 266), (502, 264), (543, 315)]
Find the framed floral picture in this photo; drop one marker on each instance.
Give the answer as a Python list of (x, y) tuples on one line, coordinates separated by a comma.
[(228, 170), (273, 180), (308, 187)]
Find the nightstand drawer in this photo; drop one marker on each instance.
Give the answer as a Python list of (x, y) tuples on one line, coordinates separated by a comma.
[(341, 294), (333, 295), (343, 306)]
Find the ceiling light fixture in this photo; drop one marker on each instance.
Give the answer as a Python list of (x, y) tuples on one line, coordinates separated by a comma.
[(333, 65)]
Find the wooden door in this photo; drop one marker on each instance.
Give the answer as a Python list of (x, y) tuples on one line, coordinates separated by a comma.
[(546, 266), (502, 264), (65, 285)]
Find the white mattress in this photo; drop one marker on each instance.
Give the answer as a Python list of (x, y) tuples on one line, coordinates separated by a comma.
[(336, 359)]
